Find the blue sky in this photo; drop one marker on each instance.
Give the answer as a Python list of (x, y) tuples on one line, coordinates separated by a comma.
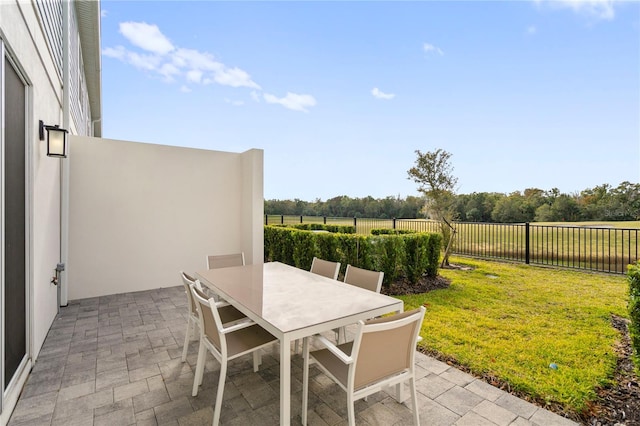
[(524, 94)]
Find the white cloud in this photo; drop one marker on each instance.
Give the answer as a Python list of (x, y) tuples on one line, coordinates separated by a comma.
[(599, 9), (234, 77), (160, 56), (194, 76), (430, 48), (147, 37), (195, 59), (103, 13), (381, 95), (531, 30), (118, 52), (168, 71), (144, 62), (153, 52), (292, 101)]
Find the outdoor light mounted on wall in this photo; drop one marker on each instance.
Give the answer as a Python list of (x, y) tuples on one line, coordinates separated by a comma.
[(56, 140)]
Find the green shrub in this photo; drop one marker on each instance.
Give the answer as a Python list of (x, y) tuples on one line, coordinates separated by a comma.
[(347, 250), (415, 261), (278, 245), (367, 253), (410, 255), (633, 276), (388, 231), (304, 248), (433, 253), (390, 249), (327, 247), (343, 229)]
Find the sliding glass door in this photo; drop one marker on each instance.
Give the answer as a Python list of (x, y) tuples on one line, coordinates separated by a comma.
[(14, 295)]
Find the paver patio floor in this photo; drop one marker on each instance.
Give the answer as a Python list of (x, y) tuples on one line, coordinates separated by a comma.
[(115, 360)]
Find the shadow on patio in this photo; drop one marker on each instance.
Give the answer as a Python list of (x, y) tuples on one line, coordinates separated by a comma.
[(115, 360)]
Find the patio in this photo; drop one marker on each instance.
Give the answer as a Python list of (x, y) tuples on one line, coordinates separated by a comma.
[(115, 360)]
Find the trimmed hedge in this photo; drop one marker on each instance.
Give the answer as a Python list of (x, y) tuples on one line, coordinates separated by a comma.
[(389, 231), (633, 276), (403, 255), (344, 229)]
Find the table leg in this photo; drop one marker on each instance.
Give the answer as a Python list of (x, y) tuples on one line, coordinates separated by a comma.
[(285, 381)]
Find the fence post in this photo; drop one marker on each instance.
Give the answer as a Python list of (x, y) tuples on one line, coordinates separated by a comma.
[(325, 220), (266, 219), (300, 218), (394, 223), (355, 224), (281, 219), (526, 244)]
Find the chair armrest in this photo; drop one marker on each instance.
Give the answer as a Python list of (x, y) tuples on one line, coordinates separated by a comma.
[(334, 349), (243, 323)]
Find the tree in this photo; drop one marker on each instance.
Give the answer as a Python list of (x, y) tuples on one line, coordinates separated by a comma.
[(434, 175), (511, 209)]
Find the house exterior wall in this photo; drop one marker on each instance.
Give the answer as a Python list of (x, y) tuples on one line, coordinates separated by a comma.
[(140, 213), (27, 45)]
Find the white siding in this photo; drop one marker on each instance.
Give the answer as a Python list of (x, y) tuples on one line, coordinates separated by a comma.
[(50, 12)]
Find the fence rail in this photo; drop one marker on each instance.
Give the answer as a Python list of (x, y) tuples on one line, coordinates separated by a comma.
[(602, 249)]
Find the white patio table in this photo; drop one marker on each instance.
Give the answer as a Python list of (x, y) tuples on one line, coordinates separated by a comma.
[(292, 303)]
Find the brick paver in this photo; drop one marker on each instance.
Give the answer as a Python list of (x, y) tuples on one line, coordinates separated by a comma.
[(115, 360)]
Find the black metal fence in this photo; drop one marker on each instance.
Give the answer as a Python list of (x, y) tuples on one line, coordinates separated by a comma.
[(602, 249)]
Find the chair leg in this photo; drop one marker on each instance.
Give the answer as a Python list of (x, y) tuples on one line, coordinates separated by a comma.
[(220, 392), (414, 400), (197, 378), (305, 379), (257, 360), (187, 335), (351, 410)]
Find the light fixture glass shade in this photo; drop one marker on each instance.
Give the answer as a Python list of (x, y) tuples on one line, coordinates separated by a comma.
[(56, 142)]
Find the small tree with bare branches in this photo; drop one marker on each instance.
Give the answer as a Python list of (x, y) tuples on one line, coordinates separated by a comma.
[(434, 174)]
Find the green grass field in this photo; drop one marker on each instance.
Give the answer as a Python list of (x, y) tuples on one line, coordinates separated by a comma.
[(512, 321)]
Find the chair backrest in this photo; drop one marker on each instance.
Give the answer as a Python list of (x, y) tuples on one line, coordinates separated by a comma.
[(325, 268), (384, 347), (210, 322), (187, 282), (225, 260), (364, 278)]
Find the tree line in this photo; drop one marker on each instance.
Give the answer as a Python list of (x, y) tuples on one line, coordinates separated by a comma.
[(603, 203)]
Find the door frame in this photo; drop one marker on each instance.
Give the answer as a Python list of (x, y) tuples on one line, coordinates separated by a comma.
[(9, 395)]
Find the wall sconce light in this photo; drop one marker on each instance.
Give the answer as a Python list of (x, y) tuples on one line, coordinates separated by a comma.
[(56, 140)]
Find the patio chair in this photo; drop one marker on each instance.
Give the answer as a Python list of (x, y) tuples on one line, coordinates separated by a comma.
[(228, 313), (363, 278), (325, 268), (382, 354), (225, 343), (225, 260)]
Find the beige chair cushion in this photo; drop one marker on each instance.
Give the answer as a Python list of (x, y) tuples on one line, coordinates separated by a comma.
[(225, 260), (325, 268), (363, 278)]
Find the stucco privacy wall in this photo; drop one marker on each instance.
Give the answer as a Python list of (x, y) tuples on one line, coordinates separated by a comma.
[(139, 213)]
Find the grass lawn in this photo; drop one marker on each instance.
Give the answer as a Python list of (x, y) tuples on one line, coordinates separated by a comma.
[(512, 321)]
